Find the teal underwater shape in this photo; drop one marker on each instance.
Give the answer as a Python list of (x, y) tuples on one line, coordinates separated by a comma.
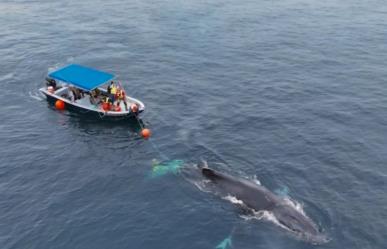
[(226, 243), (164, 168)]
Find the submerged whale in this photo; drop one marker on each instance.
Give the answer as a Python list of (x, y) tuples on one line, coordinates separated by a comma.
[(257, 198)]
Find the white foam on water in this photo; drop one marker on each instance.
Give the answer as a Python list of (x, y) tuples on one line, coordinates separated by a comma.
[(256, 181), (233, 200), (294, 204), (201, 185), (265, 215), (270, 217), (35, 96), (256, 215), (6, 76), (205, 163), (13, 8), (53, 68)]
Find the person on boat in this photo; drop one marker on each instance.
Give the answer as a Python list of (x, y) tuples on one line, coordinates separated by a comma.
[(96, 93), (109, 88), (95, 97), (106, 104), (93, 100), (74, 93), (112, 90), (81, 93), (117, 107), (71, 94), (120, 96), (51, 82)]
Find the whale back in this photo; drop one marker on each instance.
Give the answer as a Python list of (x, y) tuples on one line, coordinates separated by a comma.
[(257, 198), (209, 173), (251, 194)]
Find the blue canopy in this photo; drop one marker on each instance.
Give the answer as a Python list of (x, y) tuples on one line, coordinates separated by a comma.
[(82, 77)]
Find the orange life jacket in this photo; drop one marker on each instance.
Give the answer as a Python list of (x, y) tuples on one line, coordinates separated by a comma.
[(120, 94)]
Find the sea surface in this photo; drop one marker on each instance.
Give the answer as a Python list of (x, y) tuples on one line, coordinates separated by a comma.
[(292, 93)]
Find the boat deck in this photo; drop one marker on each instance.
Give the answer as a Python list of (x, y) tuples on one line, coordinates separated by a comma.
[(85, 102)]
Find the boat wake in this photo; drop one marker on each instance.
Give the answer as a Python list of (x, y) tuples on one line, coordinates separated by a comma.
[(264, 214), (294, 204), (53, 68), (6, 77), (36, 96), (255, 215), (256, 180)]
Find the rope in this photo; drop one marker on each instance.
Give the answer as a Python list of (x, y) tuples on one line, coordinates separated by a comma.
[(155, 147)]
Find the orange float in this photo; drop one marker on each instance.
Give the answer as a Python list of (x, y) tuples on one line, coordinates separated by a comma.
[(59, 105), (145, 133)]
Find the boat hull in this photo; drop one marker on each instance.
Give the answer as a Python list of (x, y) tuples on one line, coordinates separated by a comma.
[(97, 113)]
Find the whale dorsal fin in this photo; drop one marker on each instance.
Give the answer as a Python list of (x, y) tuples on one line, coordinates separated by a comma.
[(209, 173), (202, 164)]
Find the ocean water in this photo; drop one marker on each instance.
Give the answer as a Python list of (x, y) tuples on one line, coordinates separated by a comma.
[(290, 92)]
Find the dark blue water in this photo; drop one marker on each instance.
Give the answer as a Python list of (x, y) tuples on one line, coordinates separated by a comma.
[(293, 92)]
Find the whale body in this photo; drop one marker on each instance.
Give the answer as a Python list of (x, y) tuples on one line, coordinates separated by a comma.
[(257, 198)]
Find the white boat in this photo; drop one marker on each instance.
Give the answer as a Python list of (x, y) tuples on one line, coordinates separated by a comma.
[(85, 90)]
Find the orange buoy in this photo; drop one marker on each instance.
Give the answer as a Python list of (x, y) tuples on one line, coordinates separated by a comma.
[(60, 105), (145, 133), (134, 107)]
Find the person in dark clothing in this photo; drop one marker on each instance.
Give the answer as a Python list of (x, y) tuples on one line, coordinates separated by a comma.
[(111, 90), (51, 82)]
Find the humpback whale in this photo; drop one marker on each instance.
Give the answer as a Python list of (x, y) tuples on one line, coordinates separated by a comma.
[(256, 198)]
